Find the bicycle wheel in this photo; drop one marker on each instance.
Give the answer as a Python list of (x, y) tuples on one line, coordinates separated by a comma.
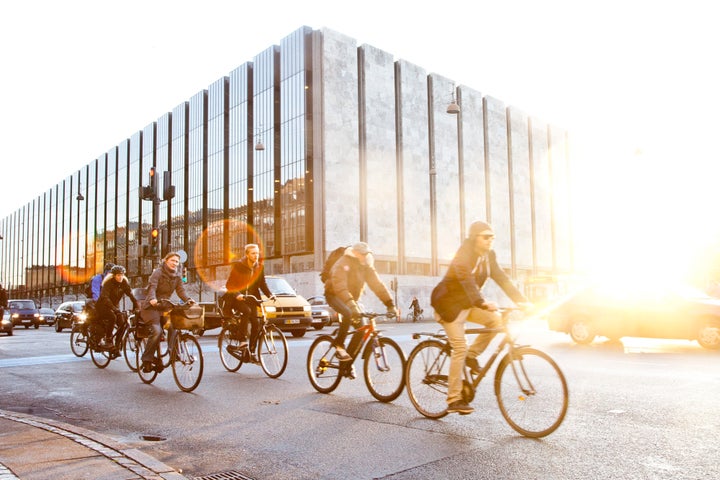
[(164, 348), (323, 367), (272, 349), (186, 359), (409, 317), (78, 342), (229, 361), (531, 392), (101, 359), (426, 378), (129, 346), (384, 368), (146, 377)]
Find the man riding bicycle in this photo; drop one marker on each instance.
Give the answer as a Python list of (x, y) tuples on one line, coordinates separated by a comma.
[(115, 285), (247, 277), (457, 299)]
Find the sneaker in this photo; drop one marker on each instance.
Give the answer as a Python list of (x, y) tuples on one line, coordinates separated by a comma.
[(472, 364), (341, 354), (460, 407), (351, 373), (148, 367)]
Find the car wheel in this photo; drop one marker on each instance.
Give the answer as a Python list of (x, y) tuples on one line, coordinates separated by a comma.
[(709, 336), (37, 325), (58, 328), (298, 333), (582, 332)]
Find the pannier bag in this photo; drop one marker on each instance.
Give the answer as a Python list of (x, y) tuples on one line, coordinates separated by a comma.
[(189, 318)]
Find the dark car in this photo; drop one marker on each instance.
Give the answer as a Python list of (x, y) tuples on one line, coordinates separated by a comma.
[(6, 324), (680, 313), (47, 316), (24, 312), (68, 313), (322, 314)]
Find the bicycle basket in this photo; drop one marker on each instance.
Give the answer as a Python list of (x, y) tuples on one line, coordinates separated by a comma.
[(188, 319)]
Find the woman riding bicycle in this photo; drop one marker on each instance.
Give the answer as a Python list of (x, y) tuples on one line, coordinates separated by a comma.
[(247, 277), (164, 281), (457, 299), (115, 285)]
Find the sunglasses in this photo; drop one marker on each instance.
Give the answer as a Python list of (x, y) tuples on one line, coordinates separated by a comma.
[(487, 237)]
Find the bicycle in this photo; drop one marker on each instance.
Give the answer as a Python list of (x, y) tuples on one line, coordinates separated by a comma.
[(185, 356), (530, 388), (383, 361), (131, 339), (87, 335), (271, 346), (415, 316)]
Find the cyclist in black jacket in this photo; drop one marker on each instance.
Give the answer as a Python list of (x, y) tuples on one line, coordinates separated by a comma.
[(115, 285)]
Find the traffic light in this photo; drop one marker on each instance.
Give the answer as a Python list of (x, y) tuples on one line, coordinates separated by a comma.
[(153, 180), (184, 274), (155, 241)]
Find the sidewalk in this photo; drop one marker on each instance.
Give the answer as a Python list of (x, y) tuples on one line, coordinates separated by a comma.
[(36, 448)]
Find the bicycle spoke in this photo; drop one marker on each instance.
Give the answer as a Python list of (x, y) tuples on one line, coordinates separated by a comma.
[(426, 377), (187, 362), (323, 368), (272, 350), (384, 368)]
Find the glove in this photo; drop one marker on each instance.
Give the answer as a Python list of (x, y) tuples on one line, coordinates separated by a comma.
[(392, 310), (354, 309)]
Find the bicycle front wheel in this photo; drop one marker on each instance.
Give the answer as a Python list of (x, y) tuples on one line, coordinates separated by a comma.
[(78, 342), (186, 359), (531, 392), (100, 359), (272, 349), (426, 377), (384, 368), (323, 367), (129, 346), (232, 363)]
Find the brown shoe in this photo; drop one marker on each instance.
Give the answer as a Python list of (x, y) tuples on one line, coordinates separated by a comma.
[(460, 407), (341, 354)]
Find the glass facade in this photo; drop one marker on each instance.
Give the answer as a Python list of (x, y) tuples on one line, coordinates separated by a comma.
[(283, 151)]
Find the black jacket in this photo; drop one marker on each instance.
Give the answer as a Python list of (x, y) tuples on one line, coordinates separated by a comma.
[(112, 292), (460, 287)]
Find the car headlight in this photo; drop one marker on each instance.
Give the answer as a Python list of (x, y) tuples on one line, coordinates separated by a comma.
[(37, 315), (82, 317), (270, 309), (324, 313), (15, 315), (307, 308), (6, 321)]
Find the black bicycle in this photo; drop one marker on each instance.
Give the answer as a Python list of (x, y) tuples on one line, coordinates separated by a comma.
[(271, 348), (186, 358), (383, 361), (530, 388)]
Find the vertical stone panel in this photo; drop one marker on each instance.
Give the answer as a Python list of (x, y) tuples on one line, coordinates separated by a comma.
[(498, 178), (378, 84), (542, 204), (561, 199), (340, 140), (447, 186), (519, 149), (414, 159), (473, 153)]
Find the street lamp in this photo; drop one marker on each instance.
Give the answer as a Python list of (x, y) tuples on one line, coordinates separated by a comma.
[(453, 108)]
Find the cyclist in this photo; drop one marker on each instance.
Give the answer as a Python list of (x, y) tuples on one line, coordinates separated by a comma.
[(115, 285), (343, 289), (247, 277), (93, 290), (164, 281), (457, 299), (416, 310)]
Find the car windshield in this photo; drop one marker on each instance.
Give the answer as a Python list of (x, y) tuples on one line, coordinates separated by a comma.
[(280, 286), (22, 304), (77, 307)]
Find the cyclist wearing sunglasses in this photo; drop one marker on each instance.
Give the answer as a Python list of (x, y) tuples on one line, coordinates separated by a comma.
[(457, 299)]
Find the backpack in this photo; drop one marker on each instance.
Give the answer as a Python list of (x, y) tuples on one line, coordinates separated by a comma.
[(332, 258)]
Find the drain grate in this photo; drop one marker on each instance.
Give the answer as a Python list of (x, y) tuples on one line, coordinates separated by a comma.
[(229, 475)]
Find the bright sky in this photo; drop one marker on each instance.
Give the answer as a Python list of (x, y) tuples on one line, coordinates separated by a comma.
[(636, 83)]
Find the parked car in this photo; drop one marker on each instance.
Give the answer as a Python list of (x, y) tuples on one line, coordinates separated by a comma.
[(68, 313), (47, 316), (680, 312), (6, 324), (289, 312), (24, 312), (323, 314)]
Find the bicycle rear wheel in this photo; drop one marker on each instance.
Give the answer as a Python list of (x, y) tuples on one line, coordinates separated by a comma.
[(186, 359), (272, 349), (231, 362), (101, 359), (146, 377), (323, 367), (384, 368), (426, 378), (531, 392), (129, 346), (78, 342)]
